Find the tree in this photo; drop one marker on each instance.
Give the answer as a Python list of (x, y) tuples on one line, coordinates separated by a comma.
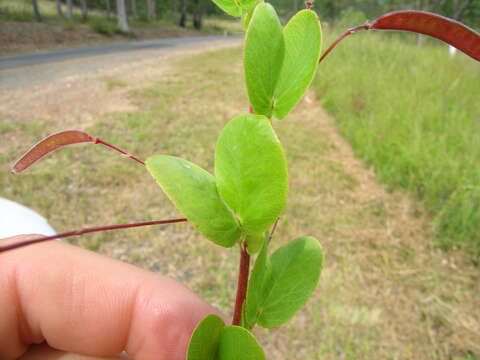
[(122, 16), (199, 10), (84, 6), (70, 9), (133, 7), (182, 22), (58, 5), (109, 9), (36, 11), (152, 15)]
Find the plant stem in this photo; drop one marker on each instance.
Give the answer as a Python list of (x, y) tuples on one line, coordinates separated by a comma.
[(111, 146), (343, 36), (86, 231), (273, 230), (242, 283)]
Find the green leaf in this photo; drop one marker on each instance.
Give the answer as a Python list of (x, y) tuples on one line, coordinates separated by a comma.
[(237, 343), (256, 291), (295, 271), (194, 192), (263, 57), (231, 7), (303, 42), (251, 172), (205, 339), (255, 242)]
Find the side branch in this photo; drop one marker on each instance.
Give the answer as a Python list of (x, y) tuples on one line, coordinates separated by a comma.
[(87, 231), (343, 36), (448, 30)]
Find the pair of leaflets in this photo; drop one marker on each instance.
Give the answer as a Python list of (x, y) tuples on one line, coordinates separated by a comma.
[(280, 63), (248, 192), (212, 340)]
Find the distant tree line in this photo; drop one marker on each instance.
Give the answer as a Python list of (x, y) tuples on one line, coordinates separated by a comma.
[(467, 11), (142, 10)]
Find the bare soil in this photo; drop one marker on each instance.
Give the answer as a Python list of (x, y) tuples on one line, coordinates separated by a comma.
[(18, 37)]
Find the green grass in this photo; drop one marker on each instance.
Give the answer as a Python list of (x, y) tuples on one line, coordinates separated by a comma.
[(114, 83), (412, 113)]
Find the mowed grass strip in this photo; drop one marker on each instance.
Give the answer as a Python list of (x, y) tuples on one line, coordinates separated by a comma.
[(412, 112), (385, 293)]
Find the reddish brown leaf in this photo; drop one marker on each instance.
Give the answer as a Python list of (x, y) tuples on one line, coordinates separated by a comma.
[(450, 31), (49, 144), (58, 140)]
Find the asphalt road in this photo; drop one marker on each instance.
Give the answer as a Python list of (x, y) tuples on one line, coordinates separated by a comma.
[(20, 70)]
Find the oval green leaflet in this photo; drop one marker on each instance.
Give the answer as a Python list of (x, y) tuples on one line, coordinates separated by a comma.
[(303, 43), (282, 283), (194, 192), (237, 343), (205, 339), (263, 57), (212, 340), (251, 172)]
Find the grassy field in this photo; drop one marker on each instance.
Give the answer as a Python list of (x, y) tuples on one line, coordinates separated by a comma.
[(412, 113), (385, 293)]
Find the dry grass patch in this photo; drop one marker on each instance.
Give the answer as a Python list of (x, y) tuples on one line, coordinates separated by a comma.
[(386, 292)]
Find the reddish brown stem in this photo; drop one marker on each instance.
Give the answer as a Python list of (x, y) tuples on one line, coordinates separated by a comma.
[(86, 231), (244, 269), (343, 36), (274, 227), (101, 142)]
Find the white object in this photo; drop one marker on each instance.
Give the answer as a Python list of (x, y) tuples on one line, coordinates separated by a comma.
[(16, 219), (452, 50)]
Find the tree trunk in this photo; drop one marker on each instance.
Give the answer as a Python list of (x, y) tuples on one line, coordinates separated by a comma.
[(459, 7), (198, 12), (183, 13), (58, 5), (83, 3), (36, 11), (70, 9), (109, 9), (152, 15), (133, 7), (122, 16)]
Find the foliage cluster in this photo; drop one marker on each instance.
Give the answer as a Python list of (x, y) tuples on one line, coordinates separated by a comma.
[(421, 134), (243, 200)]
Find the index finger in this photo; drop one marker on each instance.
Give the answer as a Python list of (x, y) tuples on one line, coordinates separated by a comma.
[(82, 302)]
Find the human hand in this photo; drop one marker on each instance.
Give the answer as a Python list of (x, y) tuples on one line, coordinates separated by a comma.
[(79, 302)]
